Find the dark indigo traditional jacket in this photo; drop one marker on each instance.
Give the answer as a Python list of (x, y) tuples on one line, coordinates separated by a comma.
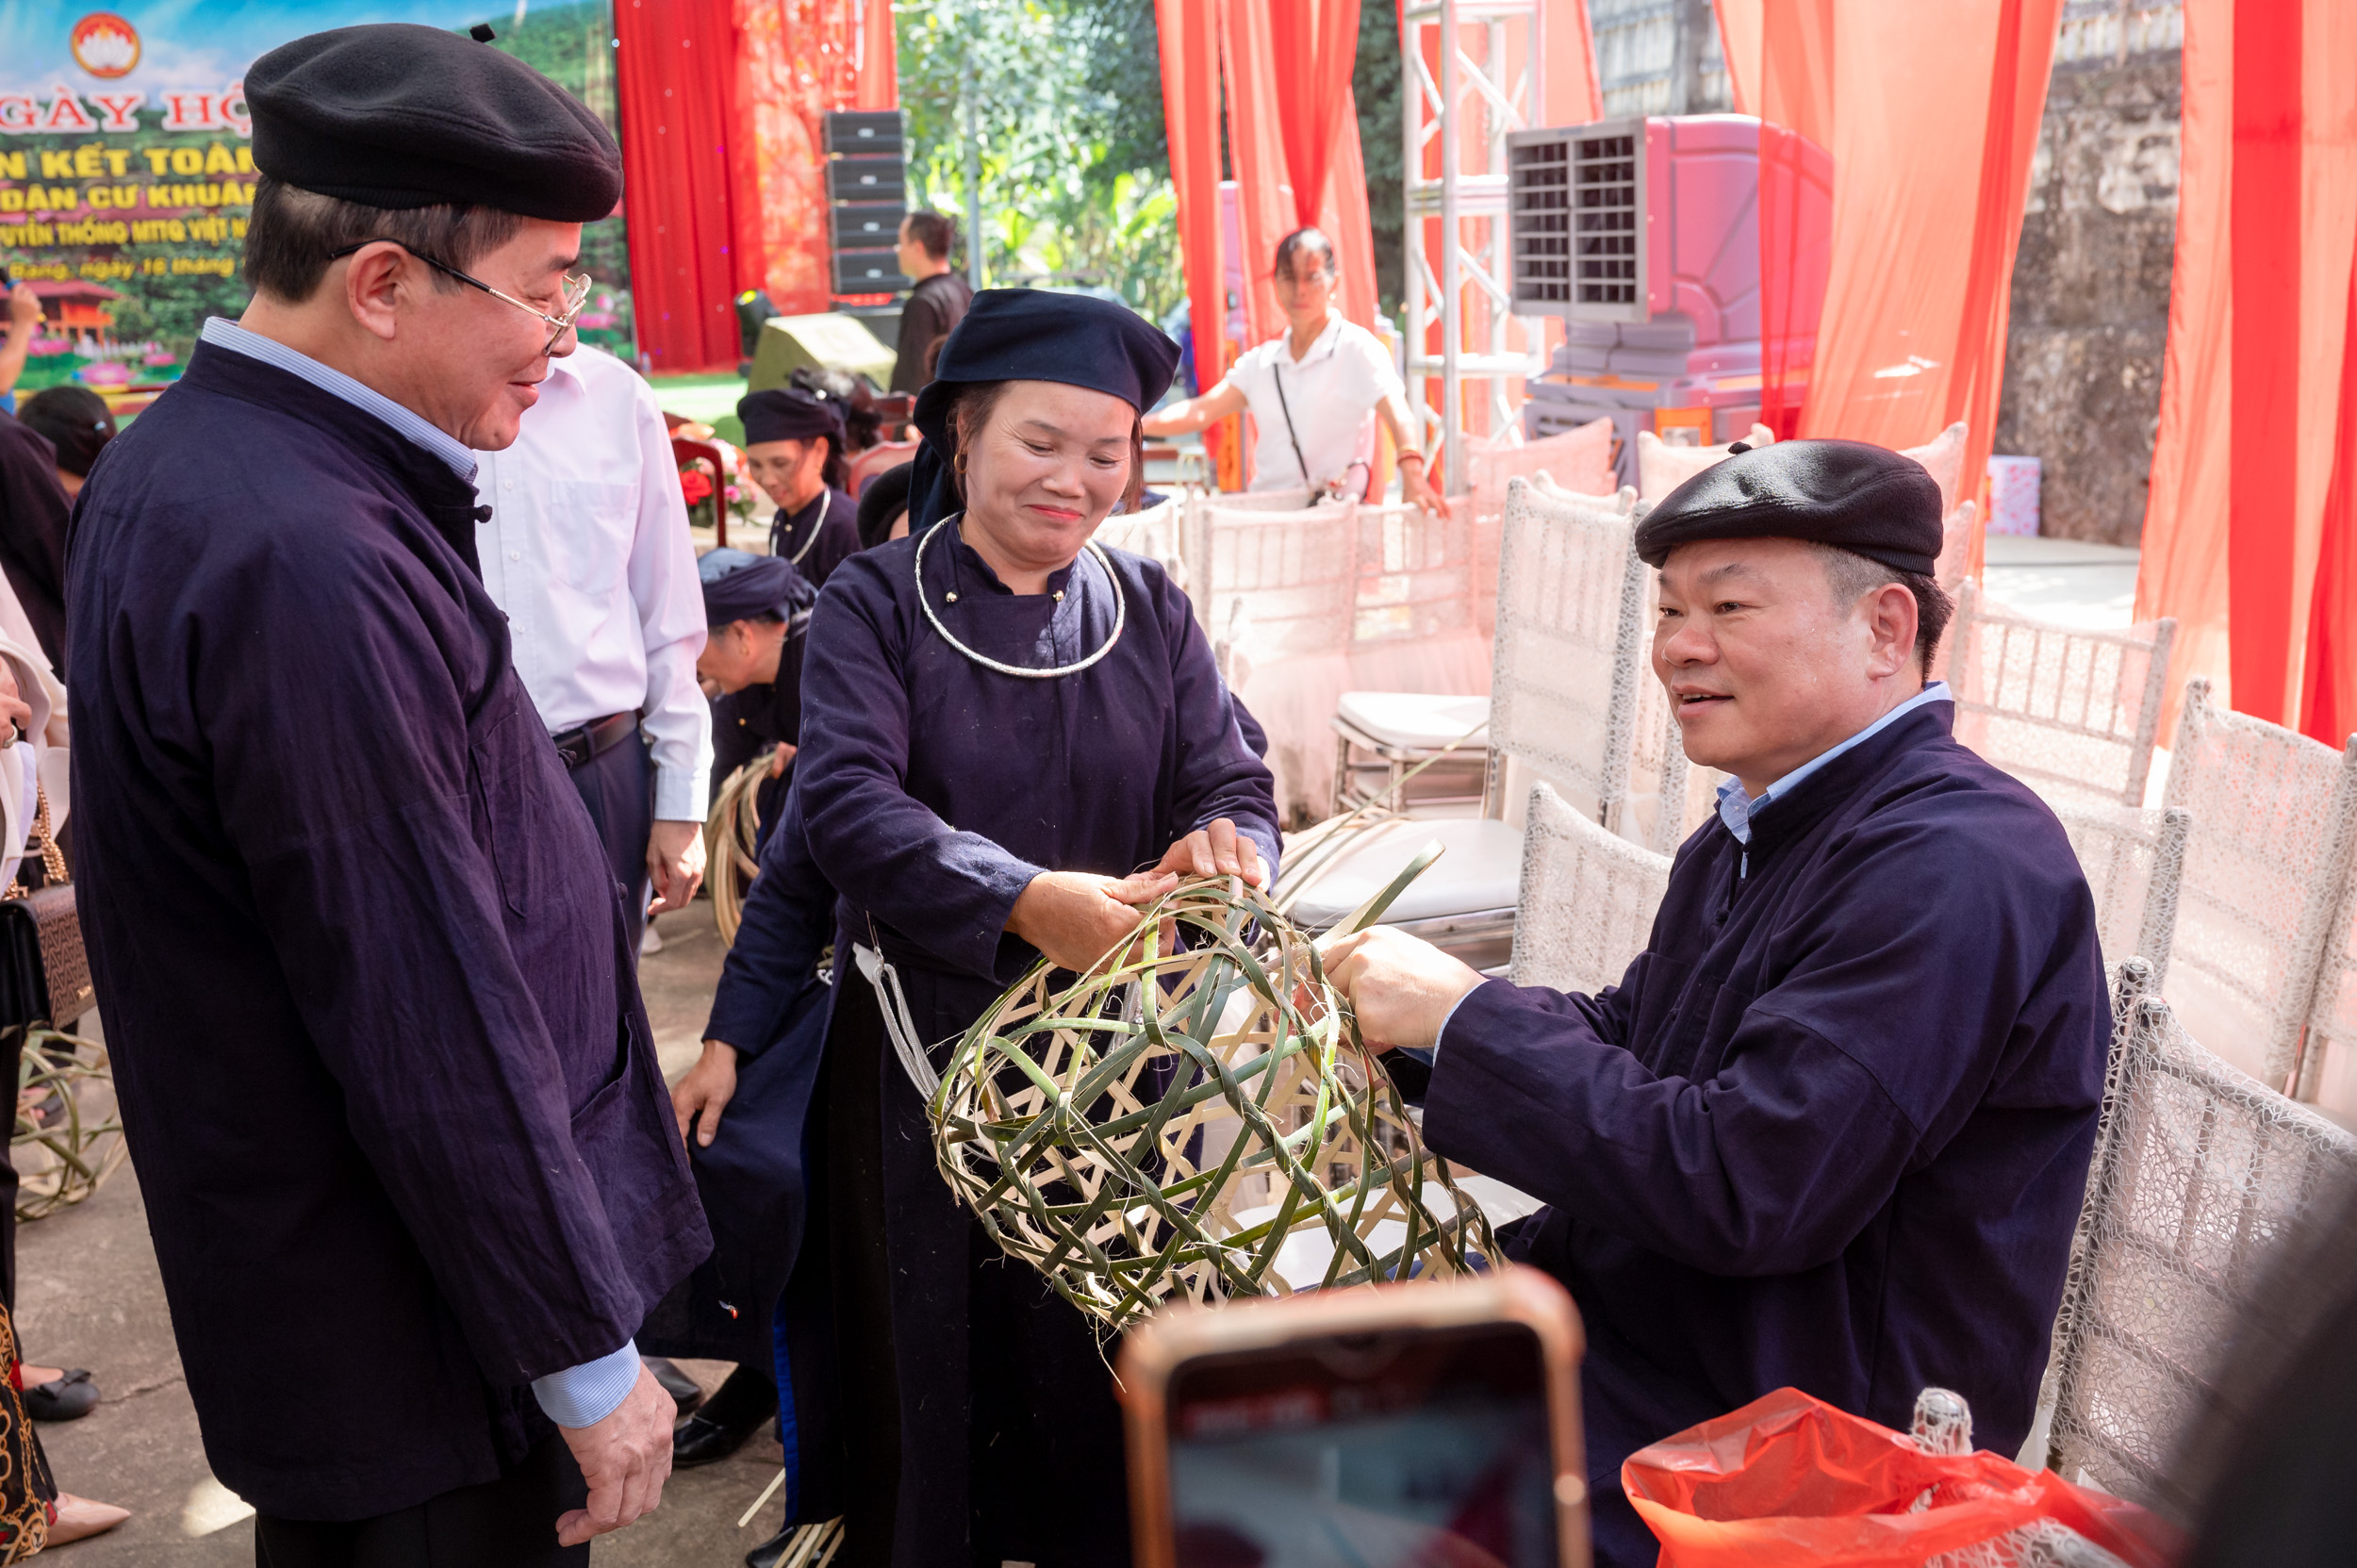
[(1831, 1128), (383, 1065)]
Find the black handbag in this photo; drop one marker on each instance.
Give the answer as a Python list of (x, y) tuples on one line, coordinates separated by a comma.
[(44, 972)]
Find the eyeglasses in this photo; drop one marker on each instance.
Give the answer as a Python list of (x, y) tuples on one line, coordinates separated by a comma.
[(576, 288)]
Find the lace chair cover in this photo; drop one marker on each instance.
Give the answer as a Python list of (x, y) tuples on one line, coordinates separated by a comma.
[(2070, 712), (1415, 574), (1278, 592), (1571, 600), (2135, 861), (2198, 1171), (1156, 532), (2266, 865), (1588, 899), (2328, 1061)]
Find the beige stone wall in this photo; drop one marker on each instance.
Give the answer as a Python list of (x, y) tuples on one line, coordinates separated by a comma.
[(2091, 292)]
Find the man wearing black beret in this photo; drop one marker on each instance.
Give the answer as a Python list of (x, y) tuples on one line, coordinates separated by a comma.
[(1831, 1131), (409, 1168)]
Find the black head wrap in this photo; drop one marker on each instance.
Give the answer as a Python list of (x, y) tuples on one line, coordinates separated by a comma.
[(399, 116), (77, 420), (1865, 499), (886, 498), (790, 414), (1033, 335), (741, 587)]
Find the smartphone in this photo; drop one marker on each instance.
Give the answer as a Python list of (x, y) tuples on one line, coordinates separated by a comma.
[(1415, 1426)]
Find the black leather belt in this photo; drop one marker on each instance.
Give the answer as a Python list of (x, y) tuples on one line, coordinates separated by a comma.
[(584, 741)]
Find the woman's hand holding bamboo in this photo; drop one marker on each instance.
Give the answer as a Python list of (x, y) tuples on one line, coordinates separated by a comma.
[(1075, 917)]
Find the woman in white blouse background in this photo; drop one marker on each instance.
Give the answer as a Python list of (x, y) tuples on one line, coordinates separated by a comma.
[(1314, 393)]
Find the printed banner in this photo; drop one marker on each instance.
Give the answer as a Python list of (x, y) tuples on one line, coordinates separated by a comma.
[(126, 167)]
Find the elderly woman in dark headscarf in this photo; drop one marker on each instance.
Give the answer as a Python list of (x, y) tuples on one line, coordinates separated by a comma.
[(756, 609), (1013, 737), (794, 450)]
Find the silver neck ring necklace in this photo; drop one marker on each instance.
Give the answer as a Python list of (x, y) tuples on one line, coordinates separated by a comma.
[(826, 504), (1121, 608)]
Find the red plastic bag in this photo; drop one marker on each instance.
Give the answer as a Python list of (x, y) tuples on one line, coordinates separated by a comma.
[(1792, 1480)]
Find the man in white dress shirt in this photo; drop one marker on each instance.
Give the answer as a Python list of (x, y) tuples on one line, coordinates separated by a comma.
[(586, 550)]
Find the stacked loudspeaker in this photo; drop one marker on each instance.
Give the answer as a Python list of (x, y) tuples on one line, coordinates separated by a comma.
[(867, 197)]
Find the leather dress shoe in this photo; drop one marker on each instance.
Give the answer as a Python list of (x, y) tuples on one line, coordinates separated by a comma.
[(67, 1398), (686, 1392), (727, 1420)]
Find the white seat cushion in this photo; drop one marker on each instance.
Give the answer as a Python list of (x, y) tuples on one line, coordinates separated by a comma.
[(1481, 869), (1415, 720)]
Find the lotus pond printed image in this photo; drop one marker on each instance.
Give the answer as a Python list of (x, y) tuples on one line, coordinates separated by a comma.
[(126, 169)]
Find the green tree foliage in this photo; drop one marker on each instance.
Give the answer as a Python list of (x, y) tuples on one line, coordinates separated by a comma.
[(1068, 113), (1375, 83)]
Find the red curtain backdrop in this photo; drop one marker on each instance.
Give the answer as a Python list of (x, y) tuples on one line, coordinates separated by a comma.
[(1740, 25), (673, 72), (1933, 117), (722, 155), (1316, 43), (1788, 55), (1187, 32), (2247, 534), (1256, 152), (1567, 91)]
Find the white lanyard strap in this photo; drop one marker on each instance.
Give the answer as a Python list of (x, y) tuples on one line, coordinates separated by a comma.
[(894, 1003)]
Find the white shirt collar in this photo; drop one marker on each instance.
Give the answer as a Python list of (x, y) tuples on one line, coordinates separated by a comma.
[(224, 333), (1323, 344)]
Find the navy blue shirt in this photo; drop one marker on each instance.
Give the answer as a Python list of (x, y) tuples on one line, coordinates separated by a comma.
[(1831, 1128), (383, 1066)]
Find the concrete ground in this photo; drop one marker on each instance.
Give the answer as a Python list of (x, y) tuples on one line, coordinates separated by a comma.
[(87, 1295)]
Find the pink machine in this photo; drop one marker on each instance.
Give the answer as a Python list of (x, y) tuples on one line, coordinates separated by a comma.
[(1643, 234)]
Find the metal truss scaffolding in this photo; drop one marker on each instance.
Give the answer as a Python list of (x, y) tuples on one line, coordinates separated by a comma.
[(1458, 109)]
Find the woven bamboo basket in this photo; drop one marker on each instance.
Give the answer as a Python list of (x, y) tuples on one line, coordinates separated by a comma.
[(1195, 1119)]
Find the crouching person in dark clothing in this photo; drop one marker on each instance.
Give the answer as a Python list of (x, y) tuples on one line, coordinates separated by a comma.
[(1831, 1128), (408, 1161)]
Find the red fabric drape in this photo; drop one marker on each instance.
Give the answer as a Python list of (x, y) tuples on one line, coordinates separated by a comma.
[(672, 84), (1935, 113), (2247, 529), (1345, 218), (1740, 25), (1567, 91), (1256, 152), (1792, 57), (1187, 32), (2328, 706), (877, 63), (723, 157), (1315, 43)]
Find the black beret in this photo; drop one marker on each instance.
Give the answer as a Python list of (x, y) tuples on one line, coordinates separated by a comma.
[(77, 420), (1865, 499), (739, 586), (399, 116), (886, 498), (789, 414), (1033, 335)]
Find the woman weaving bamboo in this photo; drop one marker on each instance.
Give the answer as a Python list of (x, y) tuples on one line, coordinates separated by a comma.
[(1002, 723)]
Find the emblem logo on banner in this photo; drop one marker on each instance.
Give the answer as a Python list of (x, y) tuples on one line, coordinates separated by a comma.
[(106, 46)]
